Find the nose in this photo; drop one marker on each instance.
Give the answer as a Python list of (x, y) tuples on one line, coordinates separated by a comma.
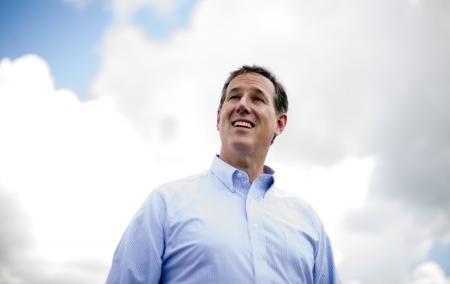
[(243, 106)]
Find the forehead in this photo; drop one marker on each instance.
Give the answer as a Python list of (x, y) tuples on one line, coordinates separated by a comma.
[(252, 82)]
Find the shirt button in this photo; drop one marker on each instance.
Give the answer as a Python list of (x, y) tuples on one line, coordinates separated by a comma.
[(255, 226), (259, 256), (239, 174)]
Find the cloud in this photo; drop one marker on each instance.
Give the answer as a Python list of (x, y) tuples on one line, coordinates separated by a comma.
[(15, 237), (429, 273), (124, 9), (78, 171), (150, 80), (409, 202), (409, 134), (380, 241)]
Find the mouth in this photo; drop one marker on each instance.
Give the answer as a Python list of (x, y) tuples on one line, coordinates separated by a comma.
[(244, 124)]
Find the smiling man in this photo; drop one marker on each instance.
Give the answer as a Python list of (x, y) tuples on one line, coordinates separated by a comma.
[(230, 224)]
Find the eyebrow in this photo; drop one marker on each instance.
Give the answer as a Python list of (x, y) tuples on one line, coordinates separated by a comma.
[(237, 89)]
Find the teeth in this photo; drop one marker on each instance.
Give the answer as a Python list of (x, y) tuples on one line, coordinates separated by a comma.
[(242, 123)]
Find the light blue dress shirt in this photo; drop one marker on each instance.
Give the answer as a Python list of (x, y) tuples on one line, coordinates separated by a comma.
[(216, 228)]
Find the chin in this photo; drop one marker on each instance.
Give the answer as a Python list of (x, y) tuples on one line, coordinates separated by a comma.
[(242, 144)]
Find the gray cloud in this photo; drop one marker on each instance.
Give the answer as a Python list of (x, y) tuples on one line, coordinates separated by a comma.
[(19, 262), (410, 139), (411, 134), (15, 238)]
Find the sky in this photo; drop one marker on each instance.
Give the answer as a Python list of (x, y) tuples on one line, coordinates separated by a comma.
[(102, 101)]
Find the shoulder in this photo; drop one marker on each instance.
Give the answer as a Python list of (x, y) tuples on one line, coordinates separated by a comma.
[(183, 182), (182, 186)]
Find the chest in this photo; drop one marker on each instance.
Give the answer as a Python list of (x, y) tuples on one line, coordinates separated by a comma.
[(265, 240)]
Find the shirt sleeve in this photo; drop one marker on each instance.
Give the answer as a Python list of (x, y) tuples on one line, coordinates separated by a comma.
[(324, 267), (138, 257)]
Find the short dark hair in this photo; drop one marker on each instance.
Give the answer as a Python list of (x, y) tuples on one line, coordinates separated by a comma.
[(281, 100)]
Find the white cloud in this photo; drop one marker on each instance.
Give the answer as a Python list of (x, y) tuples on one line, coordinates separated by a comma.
[(429, 273), (151, 80), (78, 170)]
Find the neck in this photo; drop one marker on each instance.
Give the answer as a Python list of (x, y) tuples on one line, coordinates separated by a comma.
[(253, 165)]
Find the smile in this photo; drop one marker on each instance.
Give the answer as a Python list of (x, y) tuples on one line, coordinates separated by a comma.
[(243, 124)]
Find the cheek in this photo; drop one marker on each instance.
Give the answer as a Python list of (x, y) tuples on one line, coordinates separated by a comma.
[(269, 118), (224, 113)]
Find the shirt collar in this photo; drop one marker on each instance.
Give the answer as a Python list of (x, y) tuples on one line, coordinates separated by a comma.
[(225, 172)]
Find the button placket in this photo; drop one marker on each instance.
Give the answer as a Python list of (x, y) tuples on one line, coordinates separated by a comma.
[(256, 232)]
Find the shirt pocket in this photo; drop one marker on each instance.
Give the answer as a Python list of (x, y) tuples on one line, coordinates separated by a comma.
[(299, 253)]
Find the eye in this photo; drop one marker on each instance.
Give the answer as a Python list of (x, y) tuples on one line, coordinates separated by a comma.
[(258, 99), (233, 97)]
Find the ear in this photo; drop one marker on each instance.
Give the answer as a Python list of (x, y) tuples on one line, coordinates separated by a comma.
[(281, 123), (218, 119)]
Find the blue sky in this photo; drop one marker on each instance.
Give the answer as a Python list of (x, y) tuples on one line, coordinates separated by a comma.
[(158, 26), (69, 38)]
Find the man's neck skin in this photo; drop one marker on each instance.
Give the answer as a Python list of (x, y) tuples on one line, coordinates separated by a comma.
[(251, 163)]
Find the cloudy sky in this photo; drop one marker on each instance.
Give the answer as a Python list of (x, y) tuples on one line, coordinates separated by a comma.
[(101, 101)]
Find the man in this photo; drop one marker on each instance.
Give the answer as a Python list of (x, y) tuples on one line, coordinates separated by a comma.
[(230, 224)]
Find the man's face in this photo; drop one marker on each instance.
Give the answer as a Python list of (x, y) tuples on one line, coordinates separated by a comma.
[(247, 119)]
